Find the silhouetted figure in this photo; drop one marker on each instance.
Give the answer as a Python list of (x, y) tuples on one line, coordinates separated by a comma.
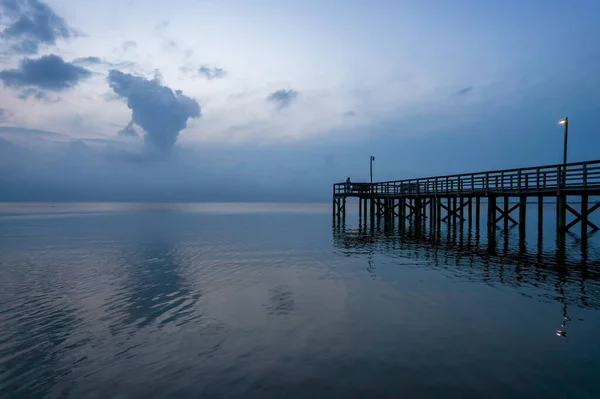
[(348, 185)]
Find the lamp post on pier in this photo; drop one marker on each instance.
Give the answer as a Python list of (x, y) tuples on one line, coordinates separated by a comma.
[(561, 203), (371, 164), (565, 123)]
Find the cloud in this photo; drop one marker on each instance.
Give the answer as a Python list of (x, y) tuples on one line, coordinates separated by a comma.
[(129, 131), (129, 45), (161, 112), (31, 23), (97, 61), (211, 73), (26, 47), (32, 92), (282, 98), (168, 43), (350, 113), (3, 115), (464, 91), (49, 72), (88, 61)]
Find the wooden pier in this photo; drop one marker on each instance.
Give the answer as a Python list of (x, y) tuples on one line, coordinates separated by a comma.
[(456, 199)]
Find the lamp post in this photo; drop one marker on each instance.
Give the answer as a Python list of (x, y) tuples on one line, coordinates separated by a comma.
[(371, 164), (565, 123)]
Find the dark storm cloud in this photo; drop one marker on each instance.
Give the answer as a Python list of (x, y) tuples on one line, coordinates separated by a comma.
[(211, 73), (161, 112), (49, 72), (31, 23), (282, 98)]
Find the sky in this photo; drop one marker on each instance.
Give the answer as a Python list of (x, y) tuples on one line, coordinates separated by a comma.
[(264, 100)]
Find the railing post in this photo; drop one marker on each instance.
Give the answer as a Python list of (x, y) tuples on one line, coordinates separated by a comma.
[(519, 181), (585, 176), (537, 181), (545, 180)]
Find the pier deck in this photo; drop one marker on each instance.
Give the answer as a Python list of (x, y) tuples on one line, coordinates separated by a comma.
[(451, 199)]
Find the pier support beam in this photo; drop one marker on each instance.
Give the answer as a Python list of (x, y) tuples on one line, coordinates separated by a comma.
[(561, 213), (360, 215), (583, 216), (540, 215), (522, 214), (438, 211), (477, 212), (491, 219)]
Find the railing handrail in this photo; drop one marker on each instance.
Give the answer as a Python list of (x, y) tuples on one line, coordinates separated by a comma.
[(554, 168)]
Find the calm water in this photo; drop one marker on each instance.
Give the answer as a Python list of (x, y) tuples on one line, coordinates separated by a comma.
[(268, 301)]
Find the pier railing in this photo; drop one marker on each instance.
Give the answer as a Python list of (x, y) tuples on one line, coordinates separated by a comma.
[(579, 176)]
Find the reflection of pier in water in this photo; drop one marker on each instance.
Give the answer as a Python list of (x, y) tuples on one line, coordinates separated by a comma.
[(571, 280)]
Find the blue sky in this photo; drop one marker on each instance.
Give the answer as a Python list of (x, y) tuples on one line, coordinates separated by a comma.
[(238, 100)]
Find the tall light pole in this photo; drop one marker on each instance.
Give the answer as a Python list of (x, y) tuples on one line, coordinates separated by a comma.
[(565, 122), (372, 159)]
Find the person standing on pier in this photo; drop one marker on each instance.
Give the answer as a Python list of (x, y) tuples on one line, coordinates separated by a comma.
[(348, 185)]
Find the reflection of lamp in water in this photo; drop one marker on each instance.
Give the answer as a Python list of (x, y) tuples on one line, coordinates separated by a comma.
[(563, 300)]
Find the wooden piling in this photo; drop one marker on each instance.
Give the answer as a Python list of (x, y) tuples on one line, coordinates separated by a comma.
[(562, 213), (540, 215), (506, 198), (491, 211), (584, 216), (438, 211), (360, 200), (470, 212), (477, 211), (522, 214)]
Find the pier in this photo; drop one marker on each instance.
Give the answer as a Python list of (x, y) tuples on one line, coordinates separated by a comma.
[(456, 200)]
